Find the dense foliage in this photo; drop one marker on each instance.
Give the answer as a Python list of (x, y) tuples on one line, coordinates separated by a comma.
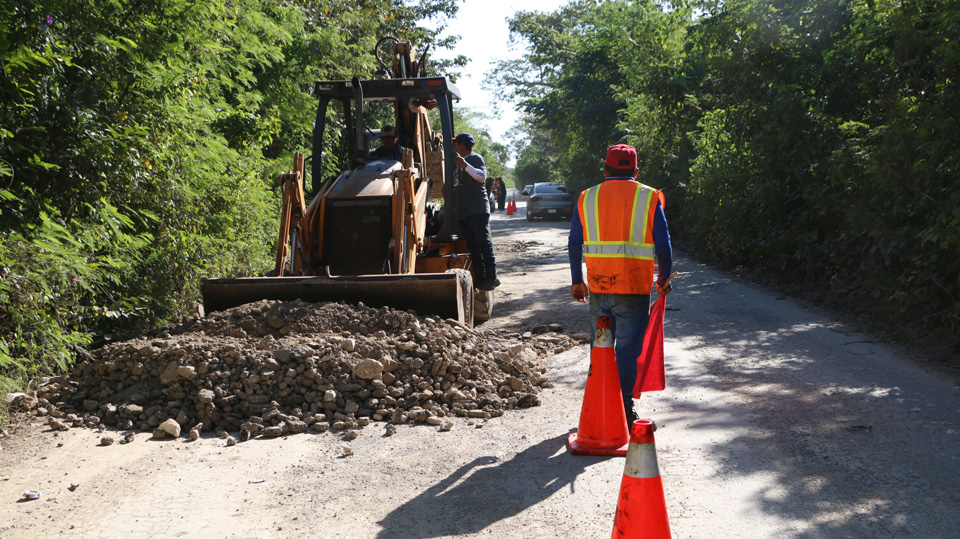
[(814, 140), (139, 143)]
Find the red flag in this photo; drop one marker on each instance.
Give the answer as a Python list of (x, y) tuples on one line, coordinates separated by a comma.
[(650, 372)]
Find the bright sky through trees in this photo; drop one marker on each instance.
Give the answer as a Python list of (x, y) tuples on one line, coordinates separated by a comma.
[(482, 27)]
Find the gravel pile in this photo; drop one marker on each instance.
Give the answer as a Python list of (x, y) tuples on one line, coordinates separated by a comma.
[(272, 368)]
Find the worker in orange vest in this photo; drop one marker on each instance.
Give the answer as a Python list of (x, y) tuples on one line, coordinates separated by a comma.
[(620, 231)]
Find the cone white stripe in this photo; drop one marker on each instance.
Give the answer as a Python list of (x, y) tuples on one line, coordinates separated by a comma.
[(641, 461)]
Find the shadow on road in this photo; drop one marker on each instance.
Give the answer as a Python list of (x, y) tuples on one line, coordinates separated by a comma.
[(835, 432), (534, 249), (522, 309), (848, 431), (486, 491)]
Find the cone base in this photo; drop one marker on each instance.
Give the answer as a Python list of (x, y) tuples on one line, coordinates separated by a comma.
[(641, 509), (577, 448)]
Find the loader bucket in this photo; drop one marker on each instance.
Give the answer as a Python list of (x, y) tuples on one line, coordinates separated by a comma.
[(447, 295)]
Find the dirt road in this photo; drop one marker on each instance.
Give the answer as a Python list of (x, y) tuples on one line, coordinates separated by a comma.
[(778, 421)]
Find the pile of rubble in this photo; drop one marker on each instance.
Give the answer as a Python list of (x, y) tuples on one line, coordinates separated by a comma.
[(272, 368)]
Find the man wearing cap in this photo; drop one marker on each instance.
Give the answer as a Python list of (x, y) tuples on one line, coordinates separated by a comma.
[(473, 211), (620, 231), (389, 148)]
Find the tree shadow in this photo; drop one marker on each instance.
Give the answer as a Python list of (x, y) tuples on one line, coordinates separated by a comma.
[(524, 307), (485, 491), (501, 223), (846, 431)]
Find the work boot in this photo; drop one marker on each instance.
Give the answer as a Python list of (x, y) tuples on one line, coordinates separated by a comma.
[(488, 283), (630, 411)]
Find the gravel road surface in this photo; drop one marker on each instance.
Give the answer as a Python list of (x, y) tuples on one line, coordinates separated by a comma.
[(778, 421)]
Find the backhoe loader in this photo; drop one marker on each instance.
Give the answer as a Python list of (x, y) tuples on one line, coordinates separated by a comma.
[(381, 232)]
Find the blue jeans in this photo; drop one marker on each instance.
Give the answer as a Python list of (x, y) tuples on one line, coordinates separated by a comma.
[(629, 315)]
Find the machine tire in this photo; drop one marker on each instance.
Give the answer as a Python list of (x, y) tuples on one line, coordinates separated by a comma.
[(529, 217), (482, 305)]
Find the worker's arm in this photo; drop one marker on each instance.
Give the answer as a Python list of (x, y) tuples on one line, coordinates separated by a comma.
[(579, 289), (661, 241), (474, 166)]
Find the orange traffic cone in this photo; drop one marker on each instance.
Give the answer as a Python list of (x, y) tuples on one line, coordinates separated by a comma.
[(641, 509), (603, 423), (511, 207)]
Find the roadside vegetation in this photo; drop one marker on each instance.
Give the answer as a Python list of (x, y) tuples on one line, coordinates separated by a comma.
[(816, 142), (139, 147)]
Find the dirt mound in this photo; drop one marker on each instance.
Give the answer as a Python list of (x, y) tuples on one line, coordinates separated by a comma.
[(272, 368)]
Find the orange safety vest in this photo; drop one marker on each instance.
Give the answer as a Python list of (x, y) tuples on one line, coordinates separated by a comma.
[(617, 219)]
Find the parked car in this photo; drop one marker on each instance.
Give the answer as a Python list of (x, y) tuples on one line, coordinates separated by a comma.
[(549, 199), (526, 190)]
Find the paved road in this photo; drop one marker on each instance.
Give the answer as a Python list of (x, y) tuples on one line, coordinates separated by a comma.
[(778, 421)]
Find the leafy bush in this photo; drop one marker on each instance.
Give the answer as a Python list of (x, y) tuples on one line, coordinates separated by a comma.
[(815, 141), (139, 146), (54, 277)]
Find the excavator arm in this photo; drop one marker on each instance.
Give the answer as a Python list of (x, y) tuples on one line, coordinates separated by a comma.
[(295, 229)]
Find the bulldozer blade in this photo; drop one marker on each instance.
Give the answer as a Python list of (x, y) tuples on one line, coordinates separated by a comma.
[(447, 295)]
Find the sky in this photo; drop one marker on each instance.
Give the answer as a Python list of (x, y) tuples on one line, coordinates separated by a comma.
[(484, 38)]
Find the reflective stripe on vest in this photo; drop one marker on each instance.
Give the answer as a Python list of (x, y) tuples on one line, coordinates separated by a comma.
[(618, 249), (591, 229)]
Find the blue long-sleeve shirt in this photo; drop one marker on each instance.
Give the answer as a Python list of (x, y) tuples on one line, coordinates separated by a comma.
[(661, 241)]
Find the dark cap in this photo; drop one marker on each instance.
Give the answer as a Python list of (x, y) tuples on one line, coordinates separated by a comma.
[(464, 138), (388, 131), (621, 156)]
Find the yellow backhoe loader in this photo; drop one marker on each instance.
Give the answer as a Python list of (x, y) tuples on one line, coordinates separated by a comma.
[(382, 232)]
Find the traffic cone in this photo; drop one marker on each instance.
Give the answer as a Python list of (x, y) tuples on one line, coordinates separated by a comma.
[(641, 509), (603, 423), (511, 207)]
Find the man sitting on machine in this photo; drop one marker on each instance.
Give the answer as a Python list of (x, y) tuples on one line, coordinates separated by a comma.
[(389, 148)]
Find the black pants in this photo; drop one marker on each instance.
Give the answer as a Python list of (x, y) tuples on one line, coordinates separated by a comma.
[(501, 201), (475, 230)]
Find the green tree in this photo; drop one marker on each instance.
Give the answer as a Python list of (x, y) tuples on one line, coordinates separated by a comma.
[(566, 83), (536, 155), (141, 141), (811, 140)]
